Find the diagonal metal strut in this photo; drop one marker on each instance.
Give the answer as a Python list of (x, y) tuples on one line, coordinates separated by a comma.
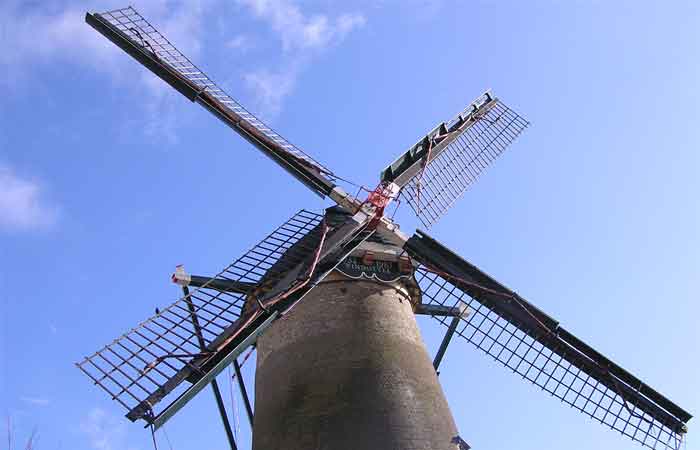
[(214, 385)]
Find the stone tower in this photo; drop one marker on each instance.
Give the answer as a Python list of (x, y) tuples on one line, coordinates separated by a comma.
[(347, 369)]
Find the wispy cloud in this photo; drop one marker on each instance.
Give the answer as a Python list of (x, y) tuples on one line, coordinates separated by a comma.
[(36, 401), (302, 36), (271, 88), (103, 431), (299, 31), (241, 43), (23, 204), (41, 34), (32, 36)]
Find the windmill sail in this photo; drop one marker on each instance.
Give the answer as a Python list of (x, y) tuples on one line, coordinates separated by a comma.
[(143, 362), (440, 167), (532, 344), (152, 361), (127, 29)]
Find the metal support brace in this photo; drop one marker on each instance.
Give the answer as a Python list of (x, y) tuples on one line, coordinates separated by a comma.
[(222, 412), (184, 279), (244, 393), (457, 313), (438, 310), (214, 385), (445, 342)]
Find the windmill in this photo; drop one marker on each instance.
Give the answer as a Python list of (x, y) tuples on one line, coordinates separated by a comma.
[(329, 301)]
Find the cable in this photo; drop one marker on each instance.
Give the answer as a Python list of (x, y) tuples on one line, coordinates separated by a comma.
[(509, 295), (337, 177), (167, 439), (234, 403), (424, 165), (397, 200)]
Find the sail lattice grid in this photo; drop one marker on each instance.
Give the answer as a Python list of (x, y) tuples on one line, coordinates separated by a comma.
[(140, 32), (141, 362), (432, 191), (510, 346)]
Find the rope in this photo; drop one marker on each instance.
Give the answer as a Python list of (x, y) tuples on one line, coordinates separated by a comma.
[(364, 228), (312, 269), (245, 358), (282, 295)]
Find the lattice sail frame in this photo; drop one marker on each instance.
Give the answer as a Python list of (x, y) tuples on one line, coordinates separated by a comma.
[(432, 192), (138, 29), (138, 363), (526, 356)]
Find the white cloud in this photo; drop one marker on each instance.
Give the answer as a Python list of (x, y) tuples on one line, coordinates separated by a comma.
[(36, 401), (181, 22), (44, 34), (298, 31), (35, 36), (302, 36), (103, 431), (349, 22), (22, 204), (270, 89), (39, 34)]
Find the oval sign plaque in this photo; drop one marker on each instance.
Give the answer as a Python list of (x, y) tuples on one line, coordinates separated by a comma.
[(355, 267)]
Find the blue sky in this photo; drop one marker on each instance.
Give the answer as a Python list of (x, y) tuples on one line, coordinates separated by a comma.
[(108, 180)]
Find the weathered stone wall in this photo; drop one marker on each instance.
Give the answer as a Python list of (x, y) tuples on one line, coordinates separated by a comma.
[(347, 369)]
